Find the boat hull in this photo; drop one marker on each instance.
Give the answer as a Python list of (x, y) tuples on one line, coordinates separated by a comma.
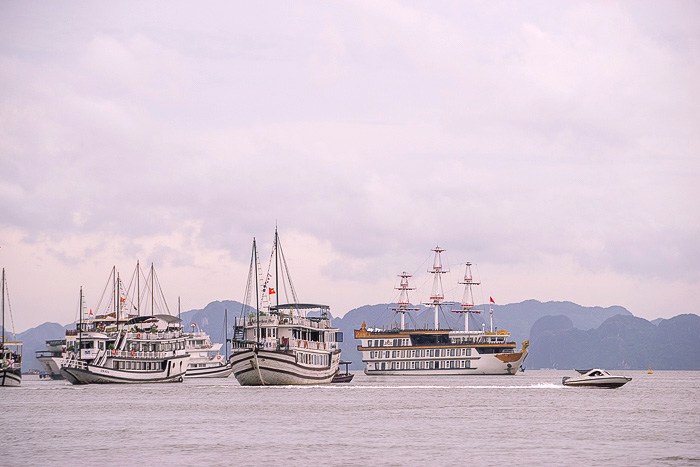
[(92, 374), (276, 368), (488, 364), (219, 371), (342, 378), (51, 366), (10, 377), (605, 383)]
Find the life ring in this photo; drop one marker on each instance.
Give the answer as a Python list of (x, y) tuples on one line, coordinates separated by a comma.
[(114, 352), (138, 335), (218, 357), (133, 353)]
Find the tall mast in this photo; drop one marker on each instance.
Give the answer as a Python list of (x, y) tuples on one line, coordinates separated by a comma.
[(468, 298), (114, 296), (226, 332), (119, 299), (138, 288), (257, 298), (437, 296), (178, 307), (3, 308), (152, 290), (80, 323), (277, 280), (403, 297)]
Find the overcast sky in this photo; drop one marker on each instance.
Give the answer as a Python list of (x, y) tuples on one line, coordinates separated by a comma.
[(556, 145)]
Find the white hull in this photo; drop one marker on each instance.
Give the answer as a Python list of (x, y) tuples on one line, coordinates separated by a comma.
[(272, 368), (51, 366), (482, 365), (218, 371), (10, 378), (174, 371)]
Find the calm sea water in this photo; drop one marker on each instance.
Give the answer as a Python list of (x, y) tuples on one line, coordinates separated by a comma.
[(527, 419)]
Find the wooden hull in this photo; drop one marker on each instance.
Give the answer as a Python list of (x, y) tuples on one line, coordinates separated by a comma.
[(274, 368), (220, 371), (342, 378), (488, 364), (10, 377), (93, 374)]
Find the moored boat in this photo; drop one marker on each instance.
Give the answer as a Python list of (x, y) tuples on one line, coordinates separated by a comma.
[(343, 376), (284, 344), (119, 347), (439, 351), (50, 359), (205, 360), (10, 351), (596, 378)]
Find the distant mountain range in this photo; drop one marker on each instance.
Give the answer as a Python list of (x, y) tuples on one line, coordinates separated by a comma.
[(563, 335)]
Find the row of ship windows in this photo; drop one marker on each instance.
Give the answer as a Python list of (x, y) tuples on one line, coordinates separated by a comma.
[(312, 359), (138, 366), (156, 347), (387, 342), (464, 352), (420, 365)]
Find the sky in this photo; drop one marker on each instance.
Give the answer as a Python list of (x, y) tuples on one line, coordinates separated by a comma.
[(555, 145)]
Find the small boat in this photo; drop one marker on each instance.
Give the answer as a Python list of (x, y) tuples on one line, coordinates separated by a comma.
[(10, 352), (595, 378), (344, 377)]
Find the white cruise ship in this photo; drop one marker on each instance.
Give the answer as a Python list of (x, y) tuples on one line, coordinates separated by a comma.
[(205, 360), (120, 347), (437, 351), (288, 344)]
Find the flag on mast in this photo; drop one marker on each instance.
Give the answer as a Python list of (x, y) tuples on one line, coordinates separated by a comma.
[(492, 300)]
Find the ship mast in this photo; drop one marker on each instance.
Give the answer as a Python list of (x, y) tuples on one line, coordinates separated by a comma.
[(437, 296), (403, 298), (3, 309), (467, 304)]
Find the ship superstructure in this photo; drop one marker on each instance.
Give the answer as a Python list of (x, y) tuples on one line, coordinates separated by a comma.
[(439, 351)]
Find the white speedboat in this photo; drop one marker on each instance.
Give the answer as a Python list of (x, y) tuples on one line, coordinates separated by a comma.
[(595, 378)]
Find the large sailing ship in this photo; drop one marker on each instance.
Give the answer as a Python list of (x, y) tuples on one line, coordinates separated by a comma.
[(439, 351), (119, 346), (282, 344), (10, 351)]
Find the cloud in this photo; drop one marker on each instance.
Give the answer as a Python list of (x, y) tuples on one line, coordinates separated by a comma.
[(529, 138)]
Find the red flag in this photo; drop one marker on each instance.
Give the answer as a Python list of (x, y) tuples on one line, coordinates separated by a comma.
[(90, 311), (121, 299), (492, 300), (271, 291)]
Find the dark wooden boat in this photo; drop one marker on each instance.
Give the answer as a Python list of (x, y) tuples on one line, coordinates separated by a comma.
[(345, 377)]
